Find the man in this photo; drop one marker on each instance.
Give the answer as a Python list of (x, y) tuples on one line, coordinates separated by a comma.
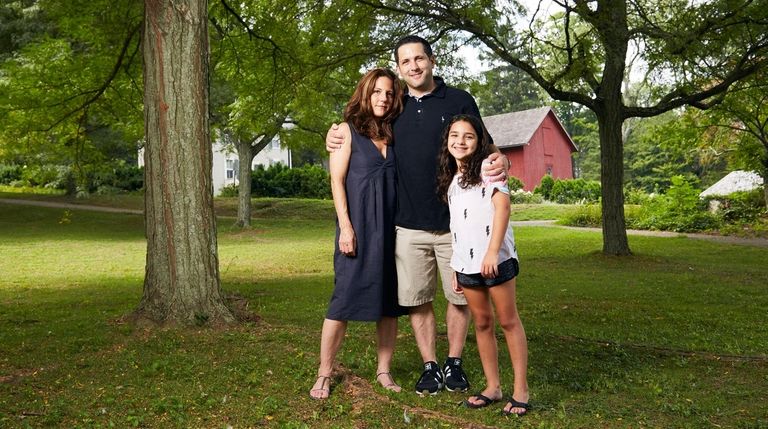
[(422, 241)]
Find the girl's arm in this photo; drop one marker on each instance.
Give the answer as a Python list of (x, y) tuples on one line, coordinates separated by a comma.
[(339, 165), (490, 267)]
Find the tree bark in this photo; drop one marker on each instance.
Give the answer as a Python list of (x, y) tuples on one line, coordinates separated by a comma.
[(609, 109), (181, 285), (245, 154)]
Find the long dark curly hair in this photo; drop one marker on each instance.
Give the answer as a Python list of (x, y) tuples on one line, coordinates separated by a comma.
[(470, 172), (359, 112)]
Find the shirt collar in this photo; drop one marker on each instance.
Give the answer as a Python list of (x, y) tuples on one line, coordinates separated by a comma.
[(439, 90)]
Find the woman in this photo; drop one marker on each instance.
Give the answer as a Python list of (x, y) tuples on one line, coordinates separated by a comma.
[(363, 187)]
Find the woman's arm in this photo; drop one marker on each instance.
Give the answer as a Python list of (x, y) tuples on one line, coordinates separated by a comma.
[(339, 165), (490, 267)]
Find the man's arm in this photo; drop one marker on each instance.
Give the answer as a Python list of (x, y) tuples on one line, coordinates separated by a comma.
[(334, 138)]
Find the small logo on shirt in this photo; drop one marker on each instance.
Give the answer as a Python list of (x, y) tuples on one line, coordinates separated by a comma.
[(472, 253), (487, 230), (483, 193), (465, 213)]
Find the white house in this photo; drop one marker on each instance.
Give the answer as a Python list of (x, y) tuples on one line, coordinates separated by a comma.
[(225, 161)]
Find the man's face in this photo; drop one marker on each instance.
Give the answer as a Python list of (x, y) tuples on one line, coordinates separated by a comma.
[(415, 67)]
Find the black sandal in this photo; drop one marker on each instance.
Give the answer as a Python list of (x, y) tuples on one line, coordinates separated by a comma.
[(516, 404), (485, 401)]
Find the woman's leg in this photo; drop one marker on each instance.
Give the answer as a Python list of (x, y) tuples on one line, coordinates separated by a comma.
[(482, 314), (386, 335), (330, 341), (504, 299)]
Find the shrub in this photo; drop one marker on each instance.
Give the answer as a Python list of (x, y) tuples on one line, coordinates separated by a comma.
[(309, 181), (229, 191), (588, 215), (514, 184), (635, 196), (741, 206), (571, 191), (680, 210), (545, 187), (524, 197), (9, 173)]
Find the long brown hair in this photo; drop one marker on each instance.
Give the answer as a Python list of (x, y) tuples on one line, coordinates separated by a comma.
[(359, 112), (470, 172)]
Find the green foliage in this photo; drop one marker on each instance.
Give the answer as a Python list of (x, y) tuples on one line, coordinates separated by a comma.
[(741, 206), (635, 196), (570, 191), (309, 181), (514, 184), (524, 197), (9, 173), (680, 209), (506, 89), (545, 187)]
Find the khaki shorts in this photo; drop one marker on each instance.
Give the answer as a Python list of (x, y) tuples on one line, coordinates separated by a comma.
[(418, 256)]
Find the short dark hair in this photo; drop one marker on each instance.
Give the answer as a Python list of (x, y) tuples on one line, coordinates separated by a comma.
[(413, 39)]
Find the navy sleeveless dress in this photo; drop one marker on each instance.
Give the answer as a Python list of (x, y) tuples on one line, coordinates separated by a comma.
[(365, 285)]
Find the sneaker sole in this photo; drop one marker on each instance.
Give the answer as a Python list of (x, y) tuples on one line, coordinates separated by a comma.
[(422, 393), (457, 389)]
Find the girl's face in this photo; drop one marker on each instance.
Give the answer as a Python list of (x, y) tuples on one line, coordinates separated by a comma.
[(382, 96), (462, 140)]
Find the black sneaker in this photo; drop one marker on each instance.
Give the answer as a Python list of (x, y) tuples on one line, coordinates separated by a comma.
[(431, 380), (455, 378)]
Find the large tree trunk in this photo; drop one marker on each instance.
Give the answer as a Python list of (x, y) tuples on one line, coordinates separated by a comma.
[(609, 109), (181, 285), (612, 182)]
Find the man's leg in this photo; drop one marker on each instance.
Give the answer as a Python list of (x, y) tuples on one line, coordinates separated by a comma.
[(423, 324), (416, 285), (457, 317)]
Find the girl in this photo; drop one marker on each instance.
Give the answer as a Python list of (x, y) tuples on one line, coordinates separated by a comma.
[(363, 186), (484, 256)]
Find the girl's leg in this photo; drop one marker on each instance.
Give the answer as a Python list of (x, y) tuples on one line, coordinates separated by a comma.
[(504, 297), (330, 341), (386, 334), (482, 314)]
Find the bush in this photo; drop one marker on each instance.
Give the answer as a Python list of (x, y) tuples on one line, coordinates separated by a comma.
[(524, 197), (680, 210), (9, 173), (309, 181), (636, 196), (741, 206), (545, 187), (588, 215), (514, 184), (229, 191), (572, 191)]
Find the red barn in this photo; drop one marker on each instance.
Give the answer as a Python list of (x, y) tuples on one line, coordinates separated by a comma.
[(535, 142)]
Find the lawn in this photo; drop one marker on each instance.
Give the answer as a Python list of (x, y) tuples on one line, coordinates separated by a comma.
[(674, 336)]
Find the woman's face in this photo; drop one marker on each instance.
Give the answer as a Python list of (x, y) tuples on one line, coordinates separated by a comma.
[(462, 140), (382, 96)]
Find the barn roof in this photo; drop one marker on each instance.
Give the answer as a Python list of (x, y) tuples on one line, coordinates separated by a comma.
[(517, 128), (734, 181)]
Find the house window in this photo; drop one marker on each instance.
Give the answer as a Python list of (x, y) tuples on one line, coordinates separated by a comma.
[(231, 169), (549, 169), (549, 141)]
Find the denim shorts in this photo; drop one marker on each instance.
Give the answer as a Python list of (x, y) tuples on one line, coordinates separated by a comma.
[(508, 270)]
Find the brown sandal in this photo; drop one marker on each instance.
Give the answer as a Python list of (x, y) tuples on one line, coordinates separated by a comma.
[(391, 386), (323, 392)]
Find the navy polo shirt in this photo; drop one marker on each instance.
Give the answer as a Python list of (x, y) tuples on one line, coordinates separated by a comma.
[(418, 132)]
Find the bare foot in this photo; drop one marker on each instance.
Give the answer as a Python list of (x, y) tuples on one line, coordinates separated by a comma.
[(322, 388), (387, 382)]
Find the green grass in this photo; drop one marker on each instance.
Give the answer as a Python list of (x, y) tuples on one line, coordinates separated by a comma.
[(674, 336), (546, 211)]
